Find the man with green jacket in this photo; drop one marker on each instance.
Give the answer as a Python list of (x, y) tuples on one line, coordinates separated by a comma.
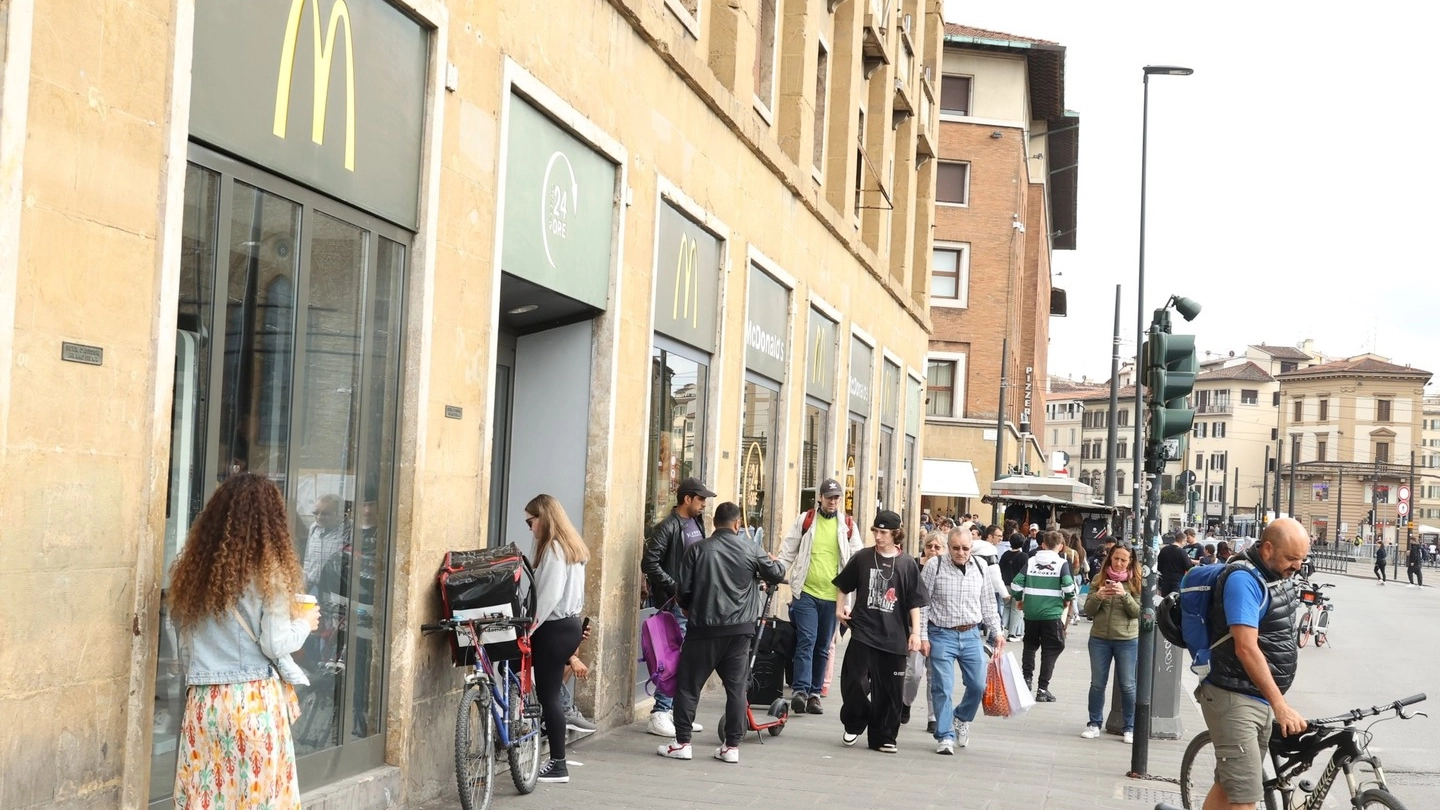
[(1044, 591)]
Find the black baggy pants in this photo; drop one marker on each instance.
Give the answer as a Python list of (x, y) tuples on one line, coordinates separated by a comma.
[(872, 685), (1415, 574), (728, 656), (1047, 636)]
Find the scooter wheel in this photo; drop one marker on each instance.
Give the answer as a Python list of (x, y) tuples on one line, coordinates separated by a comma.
[(777, 728), (720, 729), (780, 708)]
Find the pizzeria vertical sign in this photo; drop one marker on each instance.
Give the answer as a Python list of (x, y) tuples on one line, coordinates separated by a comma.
[(330, 93)]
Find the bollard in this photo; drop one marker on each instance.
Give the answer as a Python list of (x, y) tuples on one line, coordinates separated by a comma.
[(1165, 699)]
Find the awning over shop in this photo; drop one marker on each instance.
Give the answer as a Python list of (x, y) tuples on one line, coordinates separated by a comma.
[(1046, 500), (948, 479)]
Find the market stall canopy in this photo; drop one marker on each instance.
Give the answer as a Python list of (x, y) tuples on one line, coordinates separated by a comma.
[(1428, 529), (948, 479)]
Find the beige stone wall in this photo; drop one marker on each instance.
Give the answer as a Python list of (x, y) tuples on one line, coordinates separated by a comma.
[(84, 450)]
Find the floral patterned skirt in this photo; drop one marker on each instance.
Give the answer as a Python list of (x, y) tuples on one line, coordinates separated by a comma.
[(236, 751)]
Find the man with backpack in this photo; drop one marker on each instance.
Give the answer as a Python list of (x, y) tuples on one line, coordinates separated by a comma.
[(665, 547), (816, 548), (1253, 658), (1045, 591)]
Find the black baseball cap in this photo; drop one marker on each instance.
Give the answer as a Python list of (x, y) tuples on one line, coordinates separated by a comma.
[(692, 486), (830, 487), (885, 519)]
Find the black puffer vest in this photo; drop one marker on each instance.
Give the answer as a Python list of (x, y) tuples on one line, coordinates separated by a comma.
[(1276, 631)]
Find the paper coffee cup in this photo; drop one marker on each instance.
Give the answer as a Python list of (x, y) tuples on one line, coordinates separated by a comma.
[(306, 602)]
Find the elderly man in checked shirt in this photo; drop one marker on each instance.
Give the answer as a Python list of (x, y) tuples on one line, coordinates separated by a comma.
[(961, 608)]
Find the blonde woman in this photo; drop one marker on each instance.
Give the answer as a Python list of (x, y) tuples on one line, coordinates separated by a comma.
[(232, 599), (560, 557), (1114, 605)]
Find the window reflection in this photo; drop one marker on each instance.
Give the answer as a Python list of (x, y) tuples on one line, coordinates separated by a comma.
[(757, 462), (677, 428), (854, 465), (812, 453)]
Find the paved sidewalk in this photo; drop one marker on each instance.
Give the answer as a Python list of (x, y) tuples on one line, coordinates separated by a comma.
[(1037, 762)]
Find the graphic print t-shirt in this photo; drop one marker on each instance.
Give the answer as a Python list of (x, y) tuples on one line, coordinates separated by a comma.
[(691, 532), (885, 589)]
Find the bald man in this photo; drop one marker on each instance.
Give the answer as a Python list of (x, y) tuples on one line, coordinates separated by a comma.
[(1253, 667)]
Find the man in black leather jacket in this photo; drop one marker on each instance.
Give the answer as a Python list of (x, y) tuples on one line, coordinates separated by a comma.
[(717, 587), (1253, 662), (665, 546)]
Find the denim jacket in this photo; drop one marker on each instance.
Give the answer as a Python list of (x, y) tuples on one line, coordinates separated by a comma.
[(219, 650)]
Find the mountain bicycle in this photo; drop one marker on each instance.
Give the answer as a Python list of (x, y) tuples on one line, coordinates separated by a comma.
[(1315, 621), (1291, 757), (499, 711)]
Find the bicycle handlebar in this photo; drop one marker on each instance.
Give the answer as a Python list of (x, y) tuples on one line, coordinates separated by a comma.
[(446, 625), (1359, 714)]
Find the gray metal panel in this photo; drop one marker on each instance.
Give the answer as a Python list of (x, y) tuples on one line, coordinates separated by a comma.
[(820, 357), (862, 358), (766, 325), (258, 72), (687, 279)]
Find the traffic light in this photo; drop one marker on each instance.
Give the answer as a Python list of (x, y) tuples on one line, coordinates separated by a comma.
[(1170, 369)]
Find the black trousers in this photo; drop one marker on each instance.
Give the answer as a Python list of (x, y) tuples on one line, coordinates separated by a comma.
[(1415, 574), (1047, 636), (550, 647), (872, 685), (1380, 570), (728, 656)]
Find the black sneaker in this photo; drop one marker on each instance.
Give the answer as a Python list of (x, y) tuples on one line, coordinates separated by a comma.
[(930, 727), (1044, 696), (554, 770), (812, 705), (797, 703), (904, 715)]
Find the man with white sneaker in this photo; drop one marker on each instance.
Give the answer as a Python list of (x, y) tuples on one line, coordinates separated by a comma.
[(717, 586), (962, 606)]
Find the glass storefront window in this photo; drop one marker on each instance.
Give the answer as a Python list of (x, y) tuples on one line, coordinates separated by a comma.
[(855, 467), (306, 394), (759, 426), (884, 472), (677, 427), (812, 452)]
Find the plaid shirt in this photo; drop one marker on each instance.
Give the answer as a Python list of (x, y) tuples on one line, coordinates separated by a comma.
[(957, 596)]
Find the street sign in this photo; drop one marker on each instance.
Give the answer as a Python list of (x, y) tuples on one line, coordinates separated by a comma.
[(1404, 493), (1187, 479), (1403, 508)]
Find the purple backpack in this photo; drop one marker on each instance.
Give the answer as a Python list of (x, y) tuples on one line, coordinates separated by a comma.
[(660, 640)]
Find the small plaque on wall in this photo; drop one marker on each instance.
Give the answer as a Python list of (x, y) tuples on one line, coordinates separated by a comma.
[(454, 412), (80, 353)]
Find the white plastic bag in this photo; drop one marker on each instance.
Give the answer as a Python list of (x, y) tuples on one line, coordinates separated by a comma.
[(1018, 696)]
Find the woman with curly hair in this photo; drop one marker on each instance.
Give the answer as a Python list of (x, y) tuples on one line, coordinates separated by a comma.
[(1114, 606), (232, 600), (560, 557)]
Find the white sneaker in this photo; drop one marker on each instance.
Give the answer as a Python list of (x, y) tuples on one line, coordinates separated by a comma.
[(1411, 585), (847, 739), (662, 724), (946, 746), (1129, 738), (675, 750), (962, 734), (1090, 732), (726, 753), (695, 726)]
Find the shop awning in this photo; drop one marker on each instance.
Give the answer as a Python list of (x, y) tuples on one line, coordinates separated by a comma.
[(948, 479)]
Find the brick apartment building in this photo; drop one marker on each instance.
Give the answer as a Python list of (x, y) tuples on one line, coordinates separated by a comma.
[(1005, 199)]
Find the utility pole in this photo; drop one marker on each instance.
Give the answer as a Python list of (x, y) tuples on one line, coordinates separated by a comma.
[(1339, 500), (1375, 503), (1205, 509), (1225, 514), (1294, 457), (1000, 424), (1279, 454), (1264, 490), (1113, 427)]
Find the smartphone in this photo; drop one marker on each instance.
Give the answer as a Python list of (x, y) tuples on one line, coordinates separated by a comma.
[(585, 626)]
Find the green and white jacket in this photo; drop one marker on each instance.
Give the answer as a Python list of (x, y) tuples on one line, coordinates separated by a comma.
[(1045, 586)]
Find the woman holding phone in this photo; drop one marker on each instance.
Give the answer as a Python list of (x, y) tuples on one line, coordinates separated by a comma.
[(560, 557), (1114, 606)]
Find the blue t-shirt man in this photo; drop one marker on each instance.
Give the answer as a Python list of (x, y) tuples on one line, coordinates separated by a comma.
[(1245, 602)]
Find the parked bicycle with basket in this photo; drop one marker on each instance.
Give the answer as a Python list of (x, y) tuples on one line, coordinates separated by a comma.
[(1292, 757), (498, 710)]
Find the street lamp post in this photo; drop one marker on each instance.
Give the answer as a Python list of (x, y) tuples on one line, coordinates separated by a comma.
[(1146, 654)]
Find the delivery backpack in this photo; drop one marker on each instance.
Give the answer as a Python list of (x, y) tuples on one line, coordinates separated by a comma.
[(1184, 616), (486, 582)]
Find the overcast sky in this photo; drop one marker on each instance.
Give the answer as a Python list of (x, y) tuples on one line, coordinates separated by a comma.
[(1292, 179)]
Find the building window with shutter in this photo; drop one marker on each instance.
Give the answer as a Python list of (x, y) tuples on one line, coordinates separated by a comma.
[(955, 95), (952, 183)]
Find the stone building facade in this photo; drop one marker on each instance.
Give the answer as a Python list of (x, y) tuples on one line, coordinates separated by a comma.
[(417, 262), (1005, 199)]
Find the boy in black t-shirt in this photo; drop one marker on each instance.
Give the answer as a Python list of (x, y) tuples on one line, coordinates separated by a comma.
[(885, 625)]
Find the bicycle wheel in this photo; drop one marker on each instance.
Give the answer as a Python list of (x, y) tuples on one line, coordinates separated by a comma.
[(524, 742), (1302, 635), (1375, 797), (1197, 772), (1322, 629), (474, 752)]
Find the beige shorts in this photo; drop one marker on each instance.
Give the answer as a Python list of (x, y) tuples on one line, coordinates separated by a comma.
[(1240, 731)]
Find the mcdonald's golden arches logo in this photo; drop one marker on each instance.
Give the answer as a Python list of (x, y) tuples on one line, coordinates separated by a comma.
[(817, 362), (686, 303), (324, 54)]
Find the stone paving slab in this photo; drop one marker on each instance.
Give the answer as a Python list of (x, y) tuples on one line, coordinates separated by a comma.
[(1036, 762)]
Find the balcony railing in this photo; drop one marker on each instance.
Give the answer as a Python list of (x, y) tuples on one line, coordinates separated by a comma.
[(1214, 407)]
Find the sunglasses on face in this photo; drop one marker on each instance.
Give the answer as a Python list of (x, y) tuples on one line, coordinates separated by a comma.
[(530, 521)]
